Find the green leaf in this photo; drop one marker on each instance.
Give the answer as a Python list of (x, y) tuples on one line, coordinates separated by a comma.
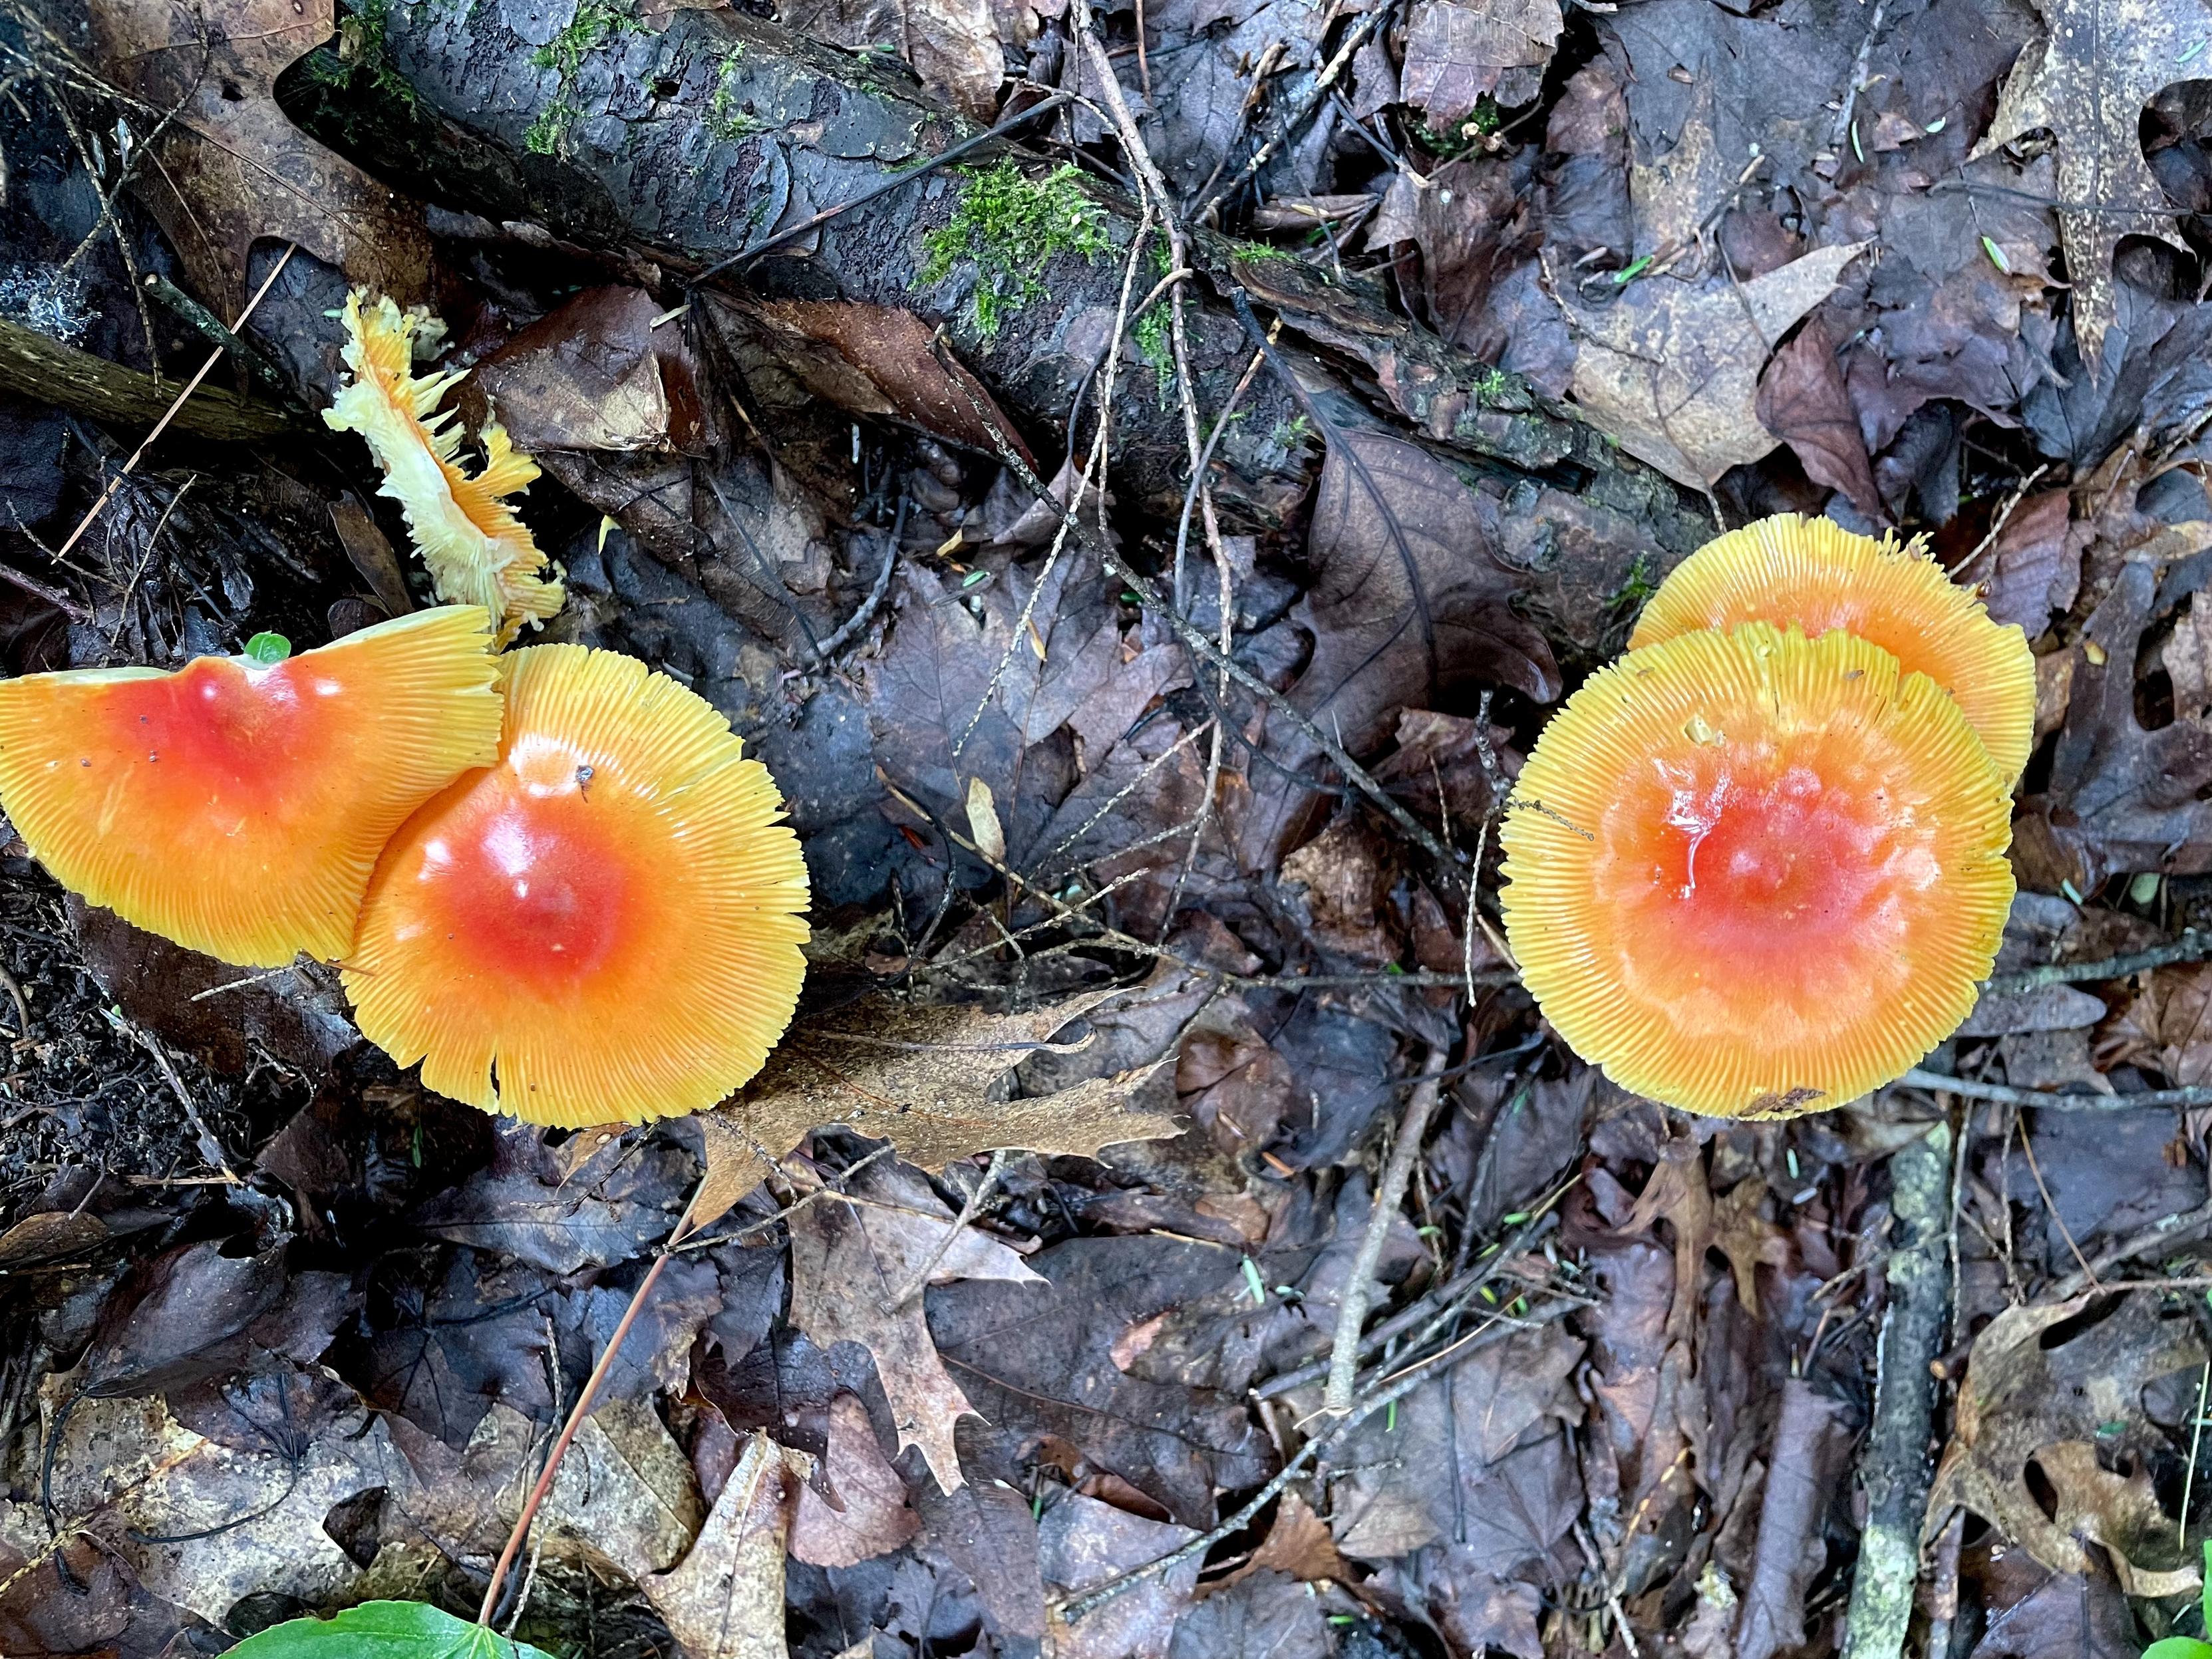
[(268, 649), (384, 1630), (2179, 1647)]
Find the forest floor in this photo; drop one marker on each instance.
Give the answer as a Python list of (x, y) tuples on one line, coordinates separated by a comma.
[(282, 1332)]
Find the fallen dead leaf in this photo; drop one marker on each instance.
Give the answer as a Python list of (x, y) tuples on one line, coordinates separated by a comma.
[(951, 44), (875, 360), (851, 1256), (1671, 368), (1299, 1544), (924, 1075), (233, 170), (2034, 567), (1455, 54), (1410, 603), (2100, 63), (875, 1520), (725, 1600), (2036, 1381), (1081, 1543), (1802, 401), (596, 374), (204, 1522)]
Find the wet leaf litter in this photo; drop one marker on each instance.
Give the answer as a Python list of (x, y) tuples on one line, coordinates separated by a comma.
[(1145, 564)]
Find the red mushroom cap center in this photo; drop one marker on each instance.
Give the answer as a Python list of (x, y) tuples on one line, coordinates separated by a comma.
[(229, 733), (1740, 862), (534, 882)]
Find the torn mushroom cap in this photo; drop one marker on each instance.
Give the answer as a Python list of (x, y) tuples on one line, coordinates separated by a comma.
[(239, 807), (602, 924), (478, 552), (1819, 575), (1753, 875)]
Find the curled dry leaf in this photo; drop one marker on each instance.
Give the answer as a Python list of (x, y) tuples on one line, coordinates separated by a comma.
[(1671, 368), (925, 1076), (724, 1601)]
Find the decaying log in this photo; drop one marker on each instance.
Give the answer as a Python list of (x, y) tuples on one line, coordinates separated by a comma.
[(34, 365), (674, 139)]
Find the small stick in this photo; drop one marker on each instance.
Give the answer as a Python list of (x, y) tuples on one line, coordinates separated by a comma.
[(1359, 1287), (920, 1276), (1895, 1470), (2055, 1100), (1431, 1313), (583, 1409), (190, 386), (2191, 946), (2166, 1230)]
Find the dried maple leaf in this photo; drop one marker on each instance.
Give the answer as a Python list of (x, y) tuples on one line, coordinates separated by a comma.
[(2100, 62), (232, 170), (1671, 368), (853, 1257), (925, 1076)]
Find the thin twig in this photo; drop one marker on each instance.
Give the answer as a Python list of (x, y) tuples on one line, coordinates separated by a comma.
[(2028, 1148), (190, 386), (859, 619), (919, 1277), (582, 1410), (1359, 1286), (2191, 946), (2166, 1230), (1294, 121), (210, 1147), (2056, 1100), (2189, 1475), (1432, 1313)]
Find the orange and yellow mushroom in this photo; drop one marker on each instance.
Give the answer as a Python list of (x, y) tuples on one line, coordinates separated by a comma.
[(238, 805), (605, 923), (1821, 576), (476, 549), (1753, 874)]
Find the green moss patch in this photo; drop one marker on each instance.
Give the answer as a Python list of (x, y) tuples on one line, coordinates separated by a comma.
[(1008, 225)]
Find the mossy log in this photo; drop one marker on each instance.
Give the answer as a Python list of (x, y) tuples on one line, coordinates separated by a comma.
[(34, 365), (676, 143)]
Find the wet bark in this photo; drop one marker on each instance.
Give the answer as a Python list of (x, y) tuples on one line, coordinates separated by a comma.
[(675, 142)]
